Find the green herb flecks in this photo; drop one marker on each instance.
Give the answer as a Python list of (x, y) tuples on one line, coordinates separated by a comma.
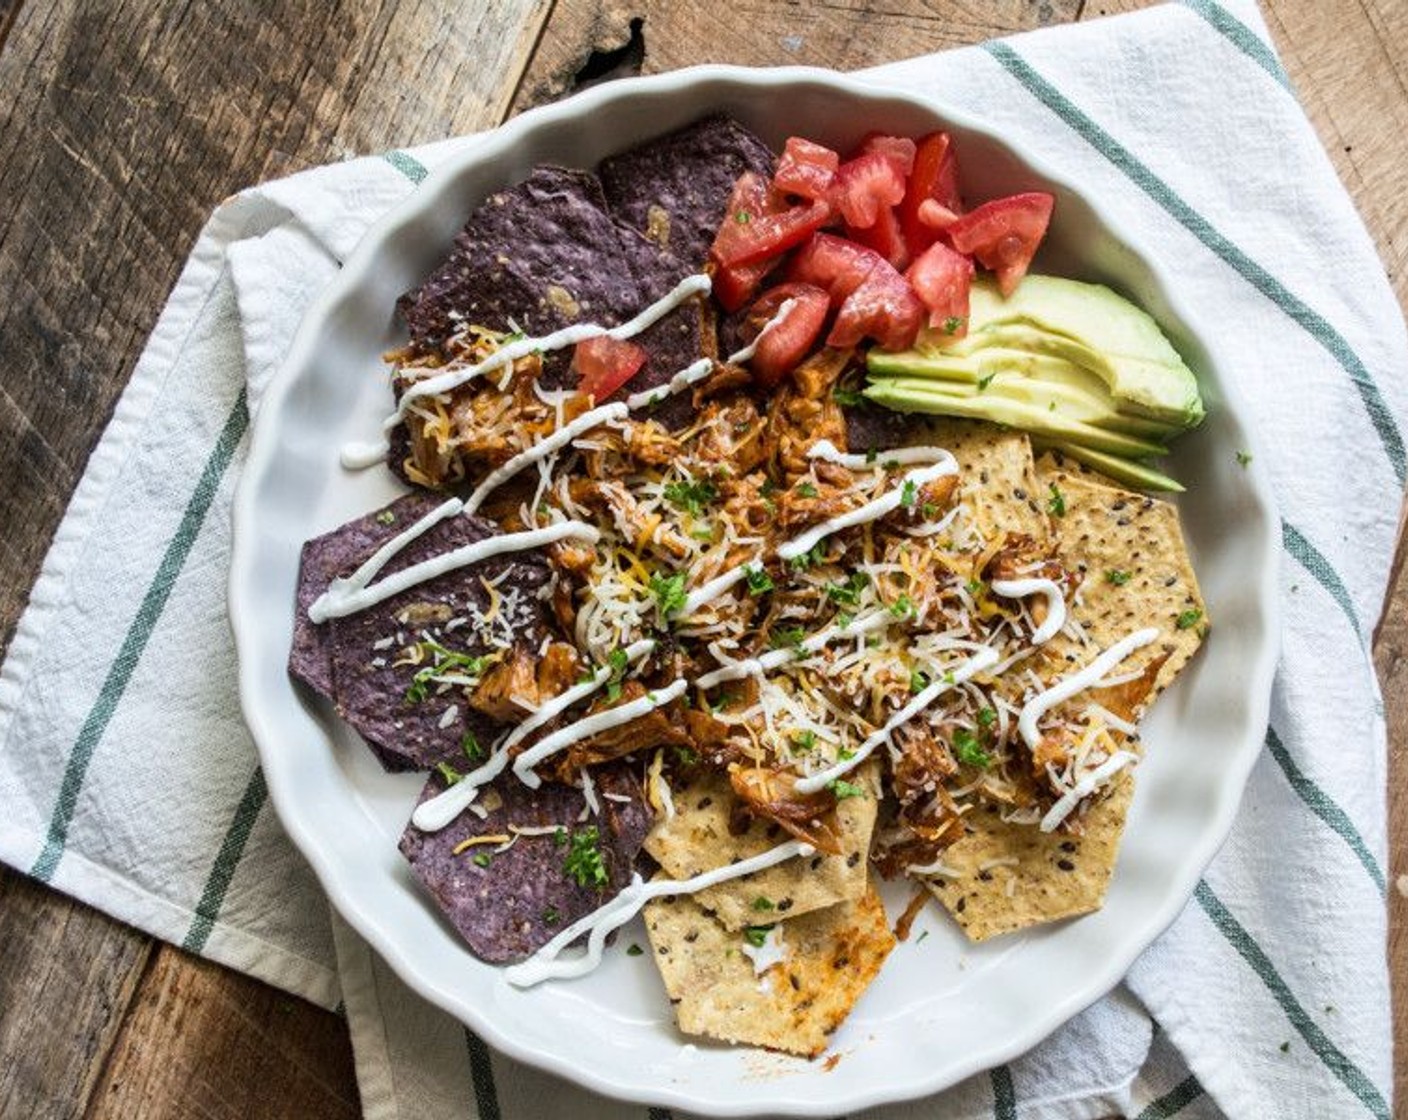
[(843, 789), (763, 903), (806, 490), (1189, 619), (386, 517), (449, 773), (756, 935), (968, 751), (584, 862), (847, 397), (669, 593), (445, 667), (1056, 503), (759, 582), (849, 590), (691, 497), (470, 745), (909, 492), (1118, 576)]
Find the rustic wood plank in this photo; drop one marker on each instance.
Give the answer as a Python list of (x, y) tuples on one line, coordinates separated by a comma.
[(67, 974), (202, 1041), (839, 35), (121, 126)]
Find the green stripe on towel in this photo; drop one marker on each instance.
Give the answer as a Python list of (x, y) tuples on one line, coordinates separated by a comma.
[(1336, 1061), (407, 165), (481, 1071), (1004, 1094), (1325, 575), (138, 633), (1325, 807), (1174, 1101), (1243, 38), (1138, 173), (226, 860)]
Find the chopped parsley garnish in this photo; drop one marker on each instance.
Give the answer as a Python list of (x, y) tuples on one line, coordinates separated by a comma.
[(1243, 458), (811, 558), (559, 838), (1056, 504), (965, 746), (845, 754), (551, 916), (976, 587), (1118, 576), (584, 862), (923, 933), (634, 950), (986, 717), (669, 593), (702, 532), (805, 739), (386, 517), (759, 581), (806, 490), (449, 773), (763, 903), (446, 661), (786, 637), (952, 324), (902, 607), (871, 454), (848, 592), (843, 789), (891, 464), (470, 745), (985, 381), (930, 510), (742, 217), (483, 859), (617, 662), (756, 935), (844, 619), (848, 397), (917, 681), (908, 493), (691, 497), (1189, 619), (721, 703)]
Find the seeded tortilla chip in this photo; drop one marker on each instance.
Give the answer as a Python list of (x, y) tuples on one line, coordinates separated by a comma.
[(1011, 876), (998, 479), (509, 904), (1137, 572), (698, 839), (830, 958)]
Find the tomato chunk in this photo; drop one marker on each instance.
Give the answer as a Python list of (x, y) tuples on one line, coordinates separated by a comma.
[(833, 263), (806, 169), (934, 180), (885, 237), (864, 186), (883, 307), (605, 364), (1004, 234), (942, 279), (899, 150), (747, 239), (751, 198), (783, 345)]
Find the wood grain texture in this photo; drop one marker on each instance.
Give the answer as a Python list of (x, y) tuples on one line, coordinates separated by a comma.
[(122, 122), (202, 1041)]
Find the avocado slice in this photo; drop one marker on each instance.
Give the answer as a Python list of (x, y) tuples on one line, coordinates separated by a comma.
[(1089, 326), (1033, 414), (1121, 470)]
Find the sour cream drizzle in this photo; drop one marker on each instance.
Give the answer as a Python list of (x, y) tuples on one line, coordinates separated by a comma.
[(757, 666), (827, 451), (1079, 681), (1055, 603), (886, 503), (545, 965), (440, 810), (1068, 801), (591, 725), (972, 667), (358, 456), (690, 286), (748, 351), (356, 593)]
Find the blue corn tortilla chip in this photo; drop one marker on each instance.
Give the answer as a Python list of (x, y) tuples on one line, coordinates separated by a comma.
[(674, 189), (870, 427), (377, 692), (508, 904)]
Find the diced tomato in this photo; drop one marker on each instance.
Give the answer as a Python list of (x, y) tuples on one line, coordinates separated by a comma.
[(748, 240), (833, 263), (899, 150), (942, 279), (790, 339), (752, 197), (936, 216), (1004, 234), (884, 308), (864, 186), (885, 237), (734, 287), (605, 364), (805, 169), (934, 179)]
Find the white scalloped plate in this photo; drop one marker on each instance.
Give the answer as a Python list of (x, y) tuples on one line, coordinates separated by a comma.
[(941, 1009)]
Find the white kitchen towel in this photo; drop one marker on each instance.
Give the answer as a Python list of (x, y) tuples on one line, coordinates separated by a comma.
[(130, 782)]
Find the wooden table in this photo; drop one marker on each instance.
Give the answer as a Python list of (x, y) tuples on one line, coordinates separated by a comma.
[(122, 123)]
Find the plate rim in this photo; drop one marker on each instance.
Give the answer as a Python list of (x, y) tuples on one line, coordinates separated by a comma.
[(494, 144)]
